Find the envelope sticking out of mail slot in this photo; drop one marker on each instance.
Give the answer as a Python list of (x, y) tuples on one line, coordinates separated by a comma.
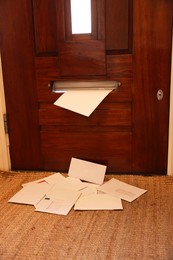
[(83, 102), (87, 171)]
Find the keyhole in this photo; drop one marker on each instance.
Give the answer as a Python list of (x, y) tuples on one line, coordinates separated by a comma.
[(159, 94)]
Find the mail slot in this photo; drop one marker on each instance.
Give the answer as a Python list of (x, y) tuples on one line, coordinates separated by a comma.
[(63, 86)]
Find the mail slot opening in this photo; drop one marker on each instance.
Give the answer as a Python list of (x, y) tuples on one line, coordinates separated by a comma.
[(63, 86)]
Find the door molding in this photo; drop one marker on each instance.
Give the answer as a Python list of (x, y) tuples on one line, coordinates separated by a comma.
[(5, 164), (170, 144)]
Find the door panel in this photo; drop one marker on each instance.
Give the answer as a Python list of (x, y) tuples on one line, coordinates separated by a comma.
[(45, 27), (16, 44), (98, 138), (104, 115), (152, 54), (119, 26), (131, 43), (66, 134), (86, 145), (119, 67), (82, 54)]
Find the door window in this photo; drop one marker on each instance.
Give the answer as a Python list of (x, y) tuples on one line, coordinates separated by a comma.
[(81, 16)]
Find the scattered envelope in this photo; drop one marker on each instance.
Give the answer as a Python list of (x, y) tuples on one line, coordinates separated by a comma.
[(98, 202), (82, 101), (57, 194), (90, 188), (52, 179), (31, 194), (75, 184), (121, 190), (58, 201), (68, 184), (88, 191), (87, 171), (37, 181)]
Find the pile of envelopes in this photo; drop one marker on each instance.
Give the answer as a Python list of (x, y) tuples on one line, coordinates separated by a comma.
[(84, 188)]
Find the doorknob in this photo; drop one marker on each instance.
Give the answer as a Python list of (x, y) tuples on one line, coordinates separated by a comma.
[(160, 94)]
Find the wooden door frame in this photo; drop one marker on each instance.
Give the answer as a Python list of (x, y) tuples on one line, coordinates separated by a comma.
[(5, 164), (170, 144)]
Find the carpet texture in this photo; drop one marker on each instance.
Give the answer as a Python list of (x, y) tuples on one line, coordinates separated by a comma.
[(142, 231)]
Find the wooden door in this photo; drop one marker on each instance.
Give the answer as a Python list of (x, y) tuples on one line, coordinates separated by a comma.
[(131, 43)]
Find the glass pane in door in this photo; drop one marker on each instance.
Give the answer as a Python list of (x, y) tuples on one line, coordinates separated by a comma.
[(81, 16)]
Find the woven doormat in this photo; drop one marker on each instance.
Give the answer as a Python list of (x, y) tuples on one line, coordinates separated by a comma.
[(143, 230)]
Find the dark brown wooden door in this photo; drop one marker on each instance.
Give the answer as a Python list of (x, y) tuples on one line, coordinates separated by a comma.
[(130, 42)]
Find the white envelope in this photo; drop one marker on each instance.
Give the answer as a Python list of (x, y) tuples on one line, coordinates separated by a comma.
[(87, 171), (58, 201), (52, 179), (121, 190), (98, 202), (90, 189), (31, 194), (74, 183), (82, 101), (68, 183)]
